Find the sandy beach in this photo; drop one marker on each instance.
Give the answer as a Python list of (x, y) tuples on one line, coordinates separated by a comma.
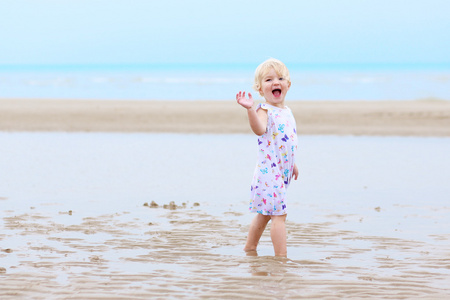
[(383, 118), (127, 165), (124, 200)]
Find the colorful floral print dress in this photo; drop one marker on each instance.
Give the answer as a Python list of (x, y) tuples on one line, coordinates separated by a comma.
[(276, 158)]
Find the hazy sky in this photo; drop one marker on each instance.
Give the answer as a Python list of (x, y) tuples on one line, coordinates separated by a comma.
[(231, 31)]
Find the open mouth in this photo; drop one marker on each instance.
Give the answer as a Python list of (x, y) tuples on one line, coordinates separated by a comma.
[(276, 92)]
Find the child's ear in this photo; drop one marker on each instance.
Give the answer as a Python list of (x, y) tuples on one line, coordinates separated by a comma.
[(289, 85), (260, 90)]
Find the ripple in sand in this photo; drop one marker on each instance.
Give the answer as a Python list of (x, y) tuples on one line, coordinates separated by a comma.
[(191, 252)]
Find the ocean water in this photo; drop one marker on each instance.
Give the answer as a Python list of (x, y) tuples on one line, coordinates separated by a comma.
[(221, 82)]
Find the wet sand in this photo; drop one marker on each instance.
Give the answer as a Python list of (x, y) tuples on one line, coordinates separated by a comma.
[(196, 256), (368, 219), (382, 118)]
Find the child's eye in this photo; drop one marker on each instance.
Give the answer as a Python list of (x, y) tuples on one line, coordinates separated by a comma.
[(268, 79), (281, 78)]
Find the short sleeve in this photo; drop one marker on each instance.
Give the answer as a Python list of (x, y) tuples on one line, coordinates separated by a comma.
[(263, 106)]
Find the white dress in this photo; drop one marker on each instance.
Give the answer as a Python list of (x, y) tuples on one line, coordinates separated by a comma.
[(275, 165)]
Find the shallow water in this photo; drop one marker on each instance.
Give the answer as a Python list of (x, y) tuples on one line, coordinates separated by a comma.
[(369, 217)]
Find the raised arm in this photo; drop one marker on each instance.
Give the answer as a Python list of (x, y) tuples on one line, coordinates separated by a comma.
[(257, 119)]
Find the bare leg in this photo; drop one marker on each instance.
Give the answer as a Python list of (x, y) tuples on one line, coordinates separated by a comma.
[(278, 235), (257, 227)]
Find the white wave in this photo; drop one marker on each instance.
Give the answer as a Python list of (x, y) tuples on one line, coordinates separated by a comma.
[(101, 79), (195, 81), (59, 81)]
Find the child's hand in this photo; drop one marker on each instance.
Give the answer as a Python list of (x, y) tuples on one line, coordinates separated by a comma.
[(295, 172), (247, 103)]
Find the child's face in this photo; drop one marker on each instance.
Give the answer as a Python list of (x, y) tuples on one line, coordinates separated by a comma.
[(274, 88)]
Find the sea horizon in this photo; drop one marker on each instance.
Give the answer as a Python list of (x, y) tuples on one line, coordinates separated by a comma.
[(220, 81)]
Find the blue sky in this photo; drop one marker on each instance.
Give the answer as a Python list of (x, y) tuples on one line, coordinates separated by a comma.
[(200, 31)]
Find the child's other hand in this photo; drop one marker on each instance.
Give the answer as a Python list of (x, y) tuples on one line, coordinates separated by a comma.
[(295, 172), (247, 103)]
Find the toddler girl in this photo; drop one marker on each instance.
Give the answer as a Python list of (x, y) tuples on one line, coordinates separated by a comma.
[(274, 125)]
